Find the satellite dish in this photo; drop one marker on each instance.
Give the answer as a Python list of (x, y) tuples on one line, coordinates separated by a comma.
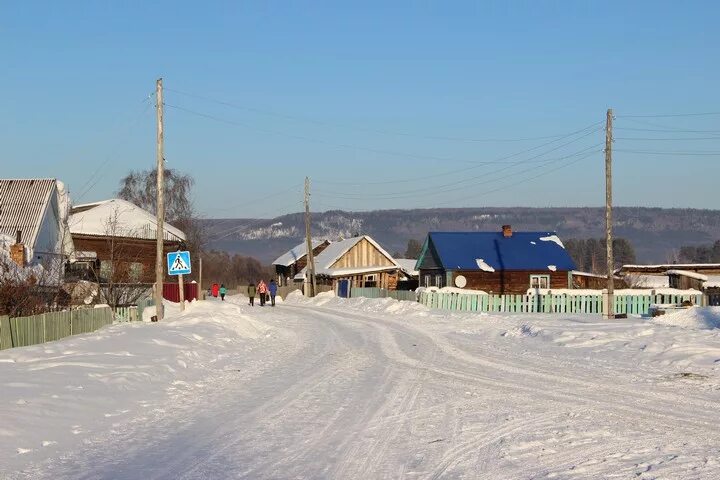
[(460, 281)]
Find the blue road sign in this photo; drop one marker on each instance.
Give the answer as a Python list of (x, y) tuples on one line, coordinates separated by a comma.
[(178, 263)]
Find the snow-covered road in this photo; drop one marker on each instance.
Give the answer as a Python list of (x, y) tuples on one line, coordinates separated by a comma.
[(366, 389)]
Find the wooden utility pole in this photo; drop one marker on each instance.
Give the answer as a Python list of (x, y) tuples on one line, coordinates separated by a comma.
[(610, 312), (159, 253), (200, 289), (310, 287)]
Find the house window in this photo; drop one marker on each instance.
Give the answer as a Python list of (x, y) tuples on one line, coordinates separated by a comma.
[(540, 281), (370, 280), (106, 270), (439, 280), (427, 281), (135, 271)]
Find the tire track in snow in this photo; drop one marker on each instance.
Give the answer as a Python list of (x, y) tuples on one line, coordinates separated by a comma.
[(543, 378), (543, 385)]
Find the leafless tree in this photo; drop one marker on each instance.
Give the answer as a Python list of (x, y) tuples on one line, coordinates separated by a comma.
[(139, 187), (120, 276)]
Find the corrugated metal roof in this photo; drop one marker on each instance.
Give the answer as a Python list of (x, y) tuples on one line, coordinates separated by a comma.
[(23, 203)]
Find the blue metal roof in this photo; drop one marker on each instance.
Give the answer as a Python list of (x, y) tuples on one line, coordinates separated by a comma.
[(521, 251)]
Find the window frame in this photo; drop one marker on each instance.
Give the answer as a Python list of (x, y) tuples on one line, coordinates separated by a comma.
[(539, 277)]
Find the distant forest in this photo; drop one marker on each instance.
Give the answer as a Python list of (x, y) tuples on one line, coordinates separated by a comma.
[(700, 254), (590, 255)]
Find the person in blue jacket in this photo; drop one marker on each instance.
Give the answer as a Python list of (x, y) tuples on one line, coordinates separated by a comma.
[(273, 291)]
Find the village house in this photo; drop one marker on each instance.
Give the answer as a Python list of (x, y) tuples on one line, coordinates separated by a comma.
[(294, 260), (115, 241), (704, 277), (503, 262), (355, 262), (34, 226)]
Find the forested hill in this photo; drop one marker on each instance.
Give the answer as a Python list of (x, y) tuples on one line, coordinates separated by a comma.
[(656, 233)]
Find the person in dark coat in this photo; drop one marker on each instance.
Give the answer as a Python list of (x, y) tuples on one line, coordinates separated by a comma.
[(251, 293), (272, 288)]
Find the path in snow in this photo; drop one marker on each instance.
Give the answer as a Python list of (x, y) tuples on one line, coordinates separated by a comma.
[(345, 393)]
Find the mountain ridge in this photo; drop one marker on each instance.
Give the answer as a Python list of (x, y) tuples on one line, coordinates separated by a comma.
[(655, 232)]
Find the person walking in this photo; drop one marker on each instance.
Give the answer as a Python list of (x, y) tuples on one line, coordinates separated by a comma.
[(273, 291), (262, 291), (223, 291), (251, 293)]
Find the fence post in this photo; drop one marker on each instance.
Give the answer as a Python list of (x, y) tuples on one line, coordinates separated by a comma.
[(6, 340)]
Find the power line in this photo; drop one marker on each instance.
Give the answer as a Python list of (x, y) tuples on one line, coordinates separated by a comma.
[(546, 172), (498, 189), (667, 139), (648, 152), (98, 173), (676, 130), (480, 164), (670, 115), (236, 229), (440, 189), (352, 127), (311, 139), (252, 202)]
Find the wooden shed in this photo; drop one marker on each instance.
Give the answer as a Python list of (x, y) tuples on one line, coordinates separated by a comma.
[(504, 262)]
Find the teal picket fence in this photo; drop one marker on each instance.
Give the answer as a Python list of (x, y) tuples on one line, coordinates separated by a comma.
[(549, 303), (374, 292)]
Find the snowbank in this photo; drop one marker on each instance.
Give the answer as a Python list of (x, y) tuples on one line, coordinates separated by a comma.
[(59, 395), (374, 305), (693, 317)]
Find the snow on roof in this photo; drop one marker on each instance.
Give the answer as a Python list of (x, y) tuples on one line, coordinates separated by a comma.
[(482, 265), (521, 251), (23, 203), (668, 266), (551, 238), (686, 273), (407, 265), (578, 273), (641, 280), (296, 253), (713, 281), (132, 221)]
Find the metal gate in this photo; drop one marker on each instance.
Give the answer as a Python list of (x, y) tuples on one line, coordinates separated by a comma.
[(344, 288)]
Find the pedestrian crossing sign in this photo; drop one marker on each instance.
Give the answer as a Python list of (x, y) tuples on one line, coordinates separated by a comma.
[(178, 263)]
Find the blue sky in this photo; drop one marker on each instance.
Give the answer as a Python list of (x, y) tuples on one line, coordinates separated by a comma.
[(382, 104)]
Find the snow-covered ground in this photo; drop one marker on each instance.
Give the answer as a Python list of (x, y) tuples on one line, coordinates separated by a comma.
[(365, 389)]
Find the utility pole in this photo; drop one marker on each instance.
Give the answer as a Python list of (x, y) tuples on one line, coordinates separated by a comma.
[(610, 311), (200, 289), (310, 286), (159, 253)]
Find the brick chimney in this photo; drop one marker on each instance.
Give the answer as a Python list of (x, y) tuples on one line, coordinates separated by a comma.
[(17, 251), (507, 231)]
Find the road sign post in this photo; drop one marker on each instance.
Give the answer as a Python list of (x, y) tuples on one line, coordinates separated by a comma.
[(178, 263)]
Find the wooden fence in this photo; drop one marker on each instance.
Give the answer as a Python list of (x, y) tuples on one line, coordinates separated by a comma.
[(47, 327), (374, 292), (550, 303), (51, 326)]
